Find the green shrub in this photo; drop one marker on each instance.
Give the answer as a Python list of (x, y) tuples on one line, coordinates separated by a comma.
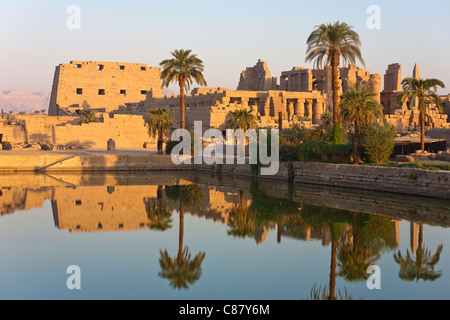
[(336, 135), (298, 134), (340, 153), (377, 142), (171, 144), (315, 151), (327, 118), (290, 152)]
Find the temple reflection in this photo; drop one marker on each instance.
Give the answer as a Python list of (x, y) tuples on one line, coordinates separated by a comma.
[(268, 207)]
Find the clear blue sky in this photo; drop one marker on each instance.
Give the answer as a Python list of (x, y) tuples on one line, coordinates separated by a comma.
[(227, 35)]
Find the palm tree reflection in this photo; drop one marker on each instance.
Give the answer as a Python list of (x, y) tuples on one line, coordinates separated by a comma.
[(158, 213), (241, 221), (324, 293), (422, 267), (182, 270), (370, 236)]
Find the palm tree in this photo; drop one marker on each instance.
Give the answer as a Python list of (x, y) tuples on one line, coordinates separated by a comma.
[(424, 90), (159, 123), (242, 119), (183, 68), (327, 119), (423, 266), (89, 116), (359, 106), (182, 270), (333, 42)]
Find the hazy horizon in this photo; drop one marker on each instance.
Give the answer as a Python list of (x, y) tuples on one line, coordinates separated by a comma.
[(227, 36)]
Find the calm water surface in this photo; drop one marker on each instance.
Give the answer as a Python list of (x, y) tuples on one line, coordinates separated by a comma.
[(181, 236)]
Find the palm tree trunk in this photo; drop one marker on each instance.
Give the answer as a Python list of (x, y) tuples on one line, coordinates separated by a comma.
[(333, 271), (420, 244), (356, 142), (422, 125), (160, 141), (336, 87), (241, 200), (355, 231), (182, 120), (159, 198), (181, 232)]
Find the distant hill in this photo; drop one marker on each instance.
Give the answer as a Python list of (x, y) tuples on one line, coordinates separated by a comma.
[(18, 100), (170, 92)]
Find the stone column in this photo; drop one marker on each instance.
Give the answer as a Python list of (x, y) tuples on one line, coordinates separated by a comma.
[(244, 102), (318, 109), (299, 108), (291, 111), (308, 109), (280, 121)]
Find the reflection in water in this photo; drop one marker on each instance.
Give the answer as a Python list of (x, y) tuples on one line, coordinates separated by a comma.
[(422, 267), (158, 213), (241, 223), (325, 293), (357, 235), (182, 270)]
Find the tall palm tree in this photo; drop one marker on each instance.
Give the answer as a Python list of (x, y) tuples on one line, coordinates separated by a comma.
[(359, 106), (332, 42), (423, 266), (242, 119), (183, 68), (159, 124), (424, 90), (89, 116), (182, 270)]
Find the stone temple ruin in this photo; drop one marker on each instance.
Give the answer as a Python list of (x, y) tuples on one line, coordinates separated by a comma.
[(102, 86), (302, 95), (123, 93), (408, 118)]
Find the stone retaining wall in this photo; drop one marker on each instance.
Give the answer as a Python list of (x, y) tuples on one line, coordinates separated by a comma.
[(396, 180), (393, 180)]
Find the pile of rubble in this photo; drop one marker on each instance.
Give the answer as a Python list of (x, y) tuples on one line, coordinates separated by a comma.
[(36, 147), (420, 156)]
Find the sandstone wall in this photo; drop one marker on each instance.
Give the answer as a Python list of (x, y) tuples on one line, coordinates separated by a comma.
[(102, 208), (12, 131), (38, 128), (101, 85), (257, 78), (128, 131)]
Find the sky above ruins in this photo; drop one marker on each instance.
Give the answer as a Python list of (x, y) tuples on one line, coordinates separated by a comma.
[(227, 35)]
